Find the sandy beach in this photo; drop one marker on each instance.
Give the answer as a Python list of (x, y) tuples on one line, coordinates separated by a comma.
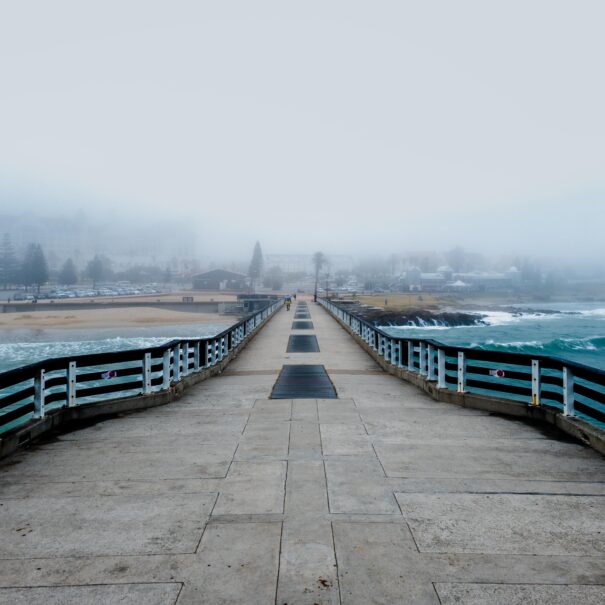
[(109, 318)]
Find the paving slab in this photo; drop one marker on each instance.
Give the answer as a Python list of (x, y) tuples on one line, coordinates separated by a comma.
[(184, 458), (345, 440), (264, 439), (444, 427), (119, 525), (306, 493), (512, 569), (496, 486), (253, 488), (122, 594), (519, 594), (506, 523), (237, 563), (97, 569), (341, 411), (375, 562), (305, 409), (204, 425), (305, 440), (370, 389), (357, 485), (82, 489), (307, 571), (492, 458), (271, 410)]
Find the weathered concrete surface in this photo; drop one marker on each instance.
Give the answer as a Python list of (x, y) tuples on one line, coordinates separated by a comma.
[(381, 496)]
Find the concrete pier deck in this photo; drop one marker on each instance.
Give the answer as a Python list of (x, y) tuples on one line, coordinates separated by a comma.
[(380, 496)]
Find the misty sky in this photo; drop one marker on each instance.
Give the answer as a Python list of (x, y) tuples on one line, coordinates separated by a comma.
[(347, 126)]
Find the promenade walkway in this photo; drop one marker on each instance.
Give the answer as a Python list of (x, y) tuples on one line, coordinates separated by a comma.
[(380, 496)]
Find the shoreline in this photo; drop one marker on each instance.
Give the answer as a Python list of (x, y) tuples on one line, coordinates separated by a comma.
[(405, 302), (108, 318)]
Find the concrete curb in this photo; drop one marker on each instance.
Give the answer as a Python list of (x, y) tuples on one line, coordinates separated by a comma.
[(26, 434), (587, 433)]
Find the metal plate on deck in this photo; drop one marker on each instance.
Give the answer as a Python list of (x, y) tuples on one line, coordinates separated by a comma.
[(302, 325), (303, 382), (303, 344)]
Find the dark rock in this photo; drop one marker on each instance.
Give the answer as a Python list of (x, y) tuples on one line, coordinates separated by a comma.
[(415, 317)]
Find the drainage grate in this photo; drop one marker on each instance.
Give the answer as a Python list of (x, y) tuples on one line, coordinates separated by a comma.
[(303, 344), (302, 325), (303, 382)]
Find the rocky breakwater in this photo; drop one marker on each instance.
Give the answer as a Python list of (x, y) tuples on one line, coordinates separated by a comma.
[(415, 317)]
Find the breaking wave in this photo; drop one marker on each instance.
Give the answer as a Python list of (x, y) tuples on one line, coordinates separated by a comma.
[(16, 354), (24, 353), (556, 346), (502, 318), (594, 313)]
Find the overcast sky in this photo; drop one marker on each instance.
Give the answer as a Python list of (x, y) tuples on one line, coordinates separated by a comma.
[(347, 126)]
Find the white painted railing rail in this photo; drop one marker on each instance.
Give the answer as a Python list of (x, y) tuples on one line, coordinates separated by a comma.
[(574, 389), (31, 391)]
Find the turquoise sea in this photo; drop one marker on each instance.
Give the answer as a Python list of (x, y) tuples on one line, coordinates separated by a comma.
[(19, 347), (574, 331)]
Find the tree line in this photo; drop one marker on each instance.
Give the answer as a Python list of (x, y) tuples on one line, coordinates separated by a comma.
[(32, 271)]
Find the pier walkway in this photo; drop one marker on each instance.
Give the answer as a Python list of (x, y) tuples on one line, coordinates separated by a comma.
[(379, 496)]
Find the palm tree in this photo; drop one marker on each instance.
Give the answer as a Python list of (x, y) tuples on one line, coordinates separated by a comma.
[(319, 260)]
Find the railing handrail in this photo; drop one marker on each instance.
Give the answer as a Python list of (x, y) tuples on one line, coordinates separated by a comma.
[(50, 363), (535, 379), (29, 389), (442, 345)]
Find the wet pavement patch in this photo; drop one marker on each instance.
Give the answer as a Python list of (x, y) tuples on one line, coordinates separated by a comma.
[(303, 382)]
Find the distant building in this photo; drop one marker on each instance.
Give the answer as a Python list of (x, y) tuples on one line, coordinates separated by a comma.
[(220, 279), (445, 279), (415, 281)]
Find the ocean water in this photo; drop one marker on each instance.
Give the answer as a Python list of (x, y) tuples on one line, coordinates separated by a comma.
[(574, 331), (19, 347)]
